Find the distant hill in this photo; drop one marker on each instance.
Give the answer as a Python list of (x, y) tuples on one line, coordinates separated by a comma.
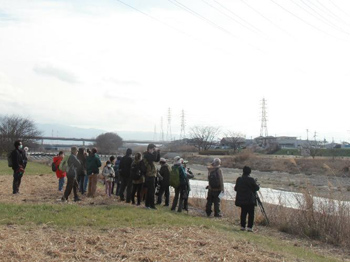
[(78, 132)]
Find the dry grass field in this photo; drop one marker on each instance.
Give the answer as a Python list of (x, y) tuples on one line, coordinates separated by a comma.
[(36, 226)]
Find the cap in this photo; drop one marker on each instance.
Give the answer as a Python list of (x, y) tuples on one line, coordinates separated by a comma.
[(216, 162), (162, 160)]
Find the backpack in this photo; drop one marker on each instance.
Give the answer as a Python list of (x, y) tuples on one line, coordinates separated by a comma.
[(9, 159), (214, 181), (64, 164), (54, 167), (135, 171), (174, 179)]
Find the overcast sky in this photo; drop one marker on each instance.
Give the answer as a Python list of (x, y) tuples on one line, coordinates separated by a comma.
[(119, 65)]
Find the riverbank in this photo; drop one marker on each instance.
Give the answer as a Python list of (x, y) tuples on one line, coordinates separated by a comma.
[(326, 177)]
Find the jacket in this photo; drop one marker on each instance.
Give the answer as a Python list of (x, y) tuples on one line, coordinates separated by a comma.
[(108, 173), (93, 162), (82, 169), (138, 166), (164, 171), (74, 165), (59, 173), (125, 166), (149, 159), (19, 159), (246, 188), (212, 168)]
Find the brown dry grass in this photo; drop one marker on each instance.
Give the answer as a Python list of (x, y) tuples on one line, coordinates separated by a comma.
[(45, 243), (186, 243)]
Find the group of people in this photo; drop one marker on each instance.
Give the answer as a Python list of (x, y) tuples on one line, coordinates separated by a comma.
[(139, 176), (130, 176)]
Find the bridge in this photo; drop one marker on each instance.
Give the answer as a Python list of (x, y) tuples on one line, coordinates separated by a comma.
[(84, 140)]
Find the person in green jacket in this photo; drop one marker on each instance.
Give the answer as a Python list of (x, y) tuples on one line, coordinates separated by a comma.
[(93, 163)]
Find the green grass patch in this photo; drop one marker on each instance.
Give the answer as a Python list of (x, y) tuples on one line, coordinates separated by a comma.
[(33, 168), (68, 217)]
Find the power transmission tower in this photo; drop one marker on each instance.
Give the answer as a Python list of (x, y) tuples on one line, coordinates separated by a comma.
[(183, 125), (161, 129), (155, 133), (263, 128), (168, 132)]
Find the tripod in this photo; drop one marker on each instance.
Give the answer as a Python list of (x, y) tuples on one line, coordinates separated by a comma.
[(262, 208)]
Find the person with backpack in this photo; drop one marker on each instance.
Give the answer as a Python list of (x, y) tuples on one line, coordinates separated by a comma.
[(216, 186), (109, 174), (72, 183), (60, 174), (151, 156), (82, 177), (18, 161), (137, 178), (246, 188), (189, 175), (181, 187), (126, 180), (93, 163), (164, 171)]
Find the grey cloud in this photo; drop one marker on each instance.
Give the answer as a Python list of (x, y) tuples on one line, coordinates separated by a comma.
[(61, 74)]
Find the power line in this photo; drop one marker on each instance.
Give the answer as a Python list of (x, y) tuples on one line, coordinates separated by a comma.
[(254, 30), (263, 16), (339, 8), (154, 18), (320, 17), (182, 6), (333, 14), (174, 28), (303, 20)]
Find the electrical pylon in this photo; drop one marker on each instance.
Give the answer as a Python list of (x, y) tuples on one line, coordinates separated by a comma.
[(168, 132), (263, 128), (161, 129), (183, 125)]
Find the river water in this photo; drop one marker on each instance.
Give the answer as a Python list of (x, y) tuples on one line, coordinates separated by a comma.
[(271, 196)]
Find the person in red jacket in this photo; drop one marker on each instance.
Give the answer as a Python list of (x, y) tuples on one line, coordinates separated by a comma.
[(60, 174)]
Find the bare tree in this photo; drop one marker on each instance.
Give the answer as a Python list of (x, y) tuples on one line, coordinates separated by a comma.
[(202, 137), (108, 142), (233, 139), (15, 127)]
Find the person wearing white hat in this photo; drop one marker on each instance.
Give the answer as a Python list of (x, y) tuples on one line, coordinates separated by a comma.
[(216, 186), (181, 189)]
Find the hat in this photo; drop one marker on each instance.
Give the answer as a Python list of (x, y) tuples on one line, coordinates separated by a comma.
[(216, 162), (150, 146), (162, 160), (177, 160)]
